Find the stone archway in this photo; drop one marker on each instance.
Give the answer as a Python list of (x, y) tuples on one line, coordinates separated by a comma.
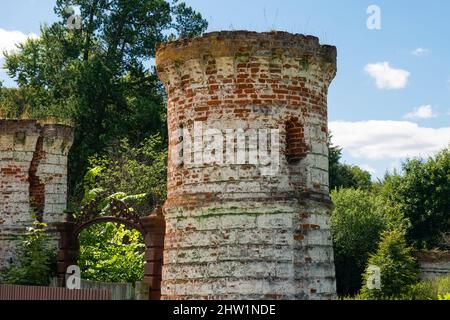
[(151, 227)]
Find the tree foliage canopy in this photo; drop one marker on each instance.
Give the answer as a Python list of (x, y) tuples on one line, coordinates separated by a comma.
[(423, 196), (343, 175), (356, 224), (399, 269), (111, 253), (100, 76), (127, 170)]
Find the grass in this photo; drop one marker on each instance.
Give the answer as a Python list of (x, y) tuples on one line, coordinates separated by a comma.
[(429, 289)]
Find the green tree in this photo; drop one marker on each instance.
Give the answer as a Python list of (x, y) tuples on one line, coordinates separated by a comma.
[(124, 169), (111, 253), (398, 267), (421, 196), (390, 202), (13, 103), (356, 224), (343, 175), (424, 198), (101, 76), (35, 260), (348, 176)]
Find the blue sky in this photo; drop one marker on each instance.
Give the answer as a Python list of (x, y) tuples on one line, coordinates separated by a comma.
[(391, 97)]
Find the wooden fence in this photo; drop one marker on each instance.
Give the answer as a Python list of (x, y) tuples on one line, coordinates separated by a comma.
[(119, 291), (12, 292)]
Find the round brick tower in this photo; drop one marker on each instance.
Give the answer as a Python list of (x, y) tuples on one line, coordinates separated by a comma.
[(248, 208)]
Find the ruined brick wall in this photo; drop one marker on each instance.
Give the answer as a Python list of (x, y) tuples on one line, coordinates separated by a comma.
[(239, 228), (433, 264), (33, 179)]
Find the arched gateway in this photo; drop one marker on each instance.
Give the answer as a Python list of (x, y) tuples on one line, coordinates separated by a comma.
[(151, 227)]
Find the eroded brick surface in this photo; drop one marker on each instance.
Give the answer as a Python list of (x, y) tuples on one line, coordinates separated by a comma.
[(33, 178), (232, 231)]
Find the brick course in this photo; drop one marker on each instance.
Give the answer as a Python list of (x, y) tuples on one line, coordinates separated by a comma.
[(232, 231)]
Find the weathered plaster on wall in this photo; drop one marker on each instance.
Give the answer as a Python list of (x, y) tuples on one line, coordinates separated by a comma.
[(232, 232), (33, 178)]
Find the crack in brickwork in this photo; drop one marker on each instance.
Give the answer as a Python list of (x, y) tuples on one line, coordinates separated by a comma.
[(37, 188)]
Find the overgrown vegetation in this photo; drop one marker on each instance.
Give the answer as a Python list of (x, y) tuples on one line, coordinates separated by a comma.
[(431, 289), (357, 223), (137, 177), (129, 170), (36, 260), (398, 268), (111, 253), (381, 224), (100, 76), (423, 197)]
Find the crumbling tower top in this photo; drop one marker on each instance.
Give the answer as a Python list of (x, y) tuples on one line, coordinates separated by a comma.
[(234, 80), (232, 43)]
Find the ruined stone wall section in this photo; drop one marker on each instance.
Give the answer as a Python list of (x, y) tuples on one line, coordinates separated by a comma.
[(232, 231), (52, 171), (33, 178), (17, 146), (433, 264)]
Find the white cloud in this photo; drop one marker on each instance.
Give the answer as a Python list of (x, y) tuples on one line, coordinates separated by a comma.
[(422, 112), (421, 52), (387, 77), (377, 140), (9, 39), (8, 42), (368, 168)]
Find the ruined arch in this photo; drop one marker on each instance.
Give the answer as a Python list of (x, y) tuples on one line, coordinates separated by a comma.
[(151, 227)]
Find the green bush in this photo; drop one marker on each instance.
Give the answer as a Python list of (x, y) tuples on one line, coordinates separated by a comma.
[(399, 270), (356, 224), (445, 297), (36, 262), (431, 289), (111, 253)]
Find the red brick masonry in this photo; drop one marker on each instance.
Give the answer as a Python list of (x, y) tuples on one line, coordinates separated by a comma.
[(33, 178), (233, 231)]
